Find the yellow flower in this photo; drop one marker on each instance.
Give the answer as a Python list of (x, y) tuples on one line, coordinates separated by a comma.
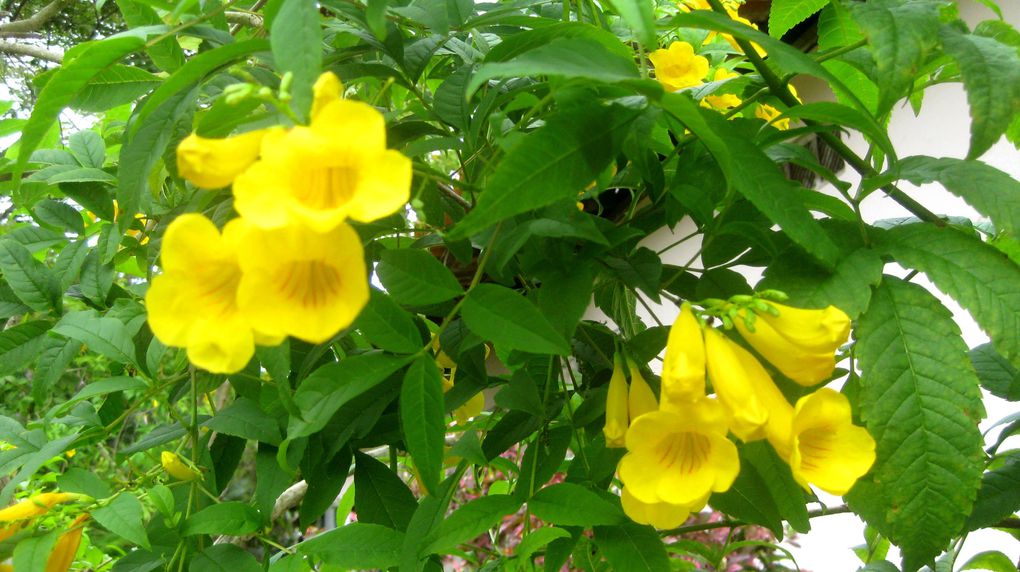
[(800, 343), (326, 90), (336, 168), (472, 407), (826, 449), (66, 547), (679, 457), (678, 67), (780, 412), (641, 399), (726, 100), (177, 468), (215, 163), (769, 114), (683, 366), (733, 387), (193, 304), (299, 282), (733, 42), (617, 409), (661, 515), (35, 505)]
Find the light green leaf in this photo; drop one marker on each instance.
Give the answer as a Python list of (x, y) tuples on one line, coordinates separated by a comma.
[(106, 336), (836, 27), (32, 554), (82, 175), (509, 320), (568, 504), (554, 162), (97, 388), (296, 38), (537, 539), (234, 518), (166, 53), (88, 148), (416, 278), (224, 558), (388, 326), (991, 560), (785, 14), (114, 86), (998, 497), (640, 16), (991, 77), (123, 516), (422, 416), (33, 283), (975, 274), (632, 548), (471, 520), (997, 375), (244, 418), (356, 546), (921, 402)]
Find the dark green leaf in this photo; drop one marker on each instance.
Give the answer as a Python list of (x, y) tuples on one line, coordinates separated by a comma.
[(106, 336), (848, 286), (839, 114), (296, 38), (998, 497), (997, 375), (632, 548), (388, 326), (471, 520), (416, 278), (244, 418), (358, 545), (422, 415), (21, 344), (788, 496), (640, 270), (60, 215), (224, 558), (509, 320), (33, 283), (380, 496), (123, 517), (785, 14), (640, 16), (568, 504), (234, 518), (88, 148)]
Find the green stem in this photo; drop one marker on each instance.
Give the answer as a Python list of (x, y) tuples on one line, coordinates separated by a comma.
[(208, 15)]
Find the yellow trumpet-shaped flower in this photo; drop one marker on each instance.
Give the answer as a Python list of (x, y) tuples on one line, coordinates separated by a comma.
[(177, 468), (617, 408), (679, 457), (193, 304), (683, 366), (727, 100), (769, 114), (678, 67), (733, 387), (326, 90), (800, 343), (777, 427), (336, 168), (641, 398), (215, 163), (35, 505), (299, 282), (661, 515), (66, 547), (826, 448)]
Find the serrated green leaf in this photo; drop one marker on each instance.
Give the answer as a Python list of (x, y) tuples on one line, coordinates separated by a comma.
[(471, 520), (997, 375), (785, 14), (244, 418), (20, 344), (640, 17), (537, 539), (358, 545), (60, 215), (422, 416), (33, 283), (88, 148), (224, 558), (554, 162), (632, 548), (509, 320), (640, 270), (296, 39), (380, 497), (848, 286), (998, 497), (920, 401), (106, 336), (124, 516), (979, 277), (839, 114), (388, 326), (96, 278), (568, 504), (836, 27), (750, 499), (166, 53), (416, 278), (234, 518), (114, 86), (451, 102), (54, 358)]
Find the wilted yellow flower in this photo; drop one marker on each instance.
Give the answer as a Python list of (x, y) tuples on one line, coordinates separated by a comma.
[(733, 387), (215, 163), (727, 100), (800, 343), (769, 114), (641, 398), (177, 468), (299, 282), (661, 515), (66, 547), (678, 67), (36, 505), (683, 366), (336, 168), (617, 409), (193, 304), (679, 456), (826, 448)]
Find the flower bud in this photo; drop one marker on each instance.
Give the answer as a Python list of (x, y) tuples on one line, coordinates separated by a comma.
[(617, 414), (176, 468)]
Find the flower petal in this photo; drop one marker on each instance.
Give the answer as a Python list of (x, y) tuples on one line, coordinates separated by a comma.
[(661, 515), (733, 387), (828, 450), (384, 186), (215, 163), (683, 367)]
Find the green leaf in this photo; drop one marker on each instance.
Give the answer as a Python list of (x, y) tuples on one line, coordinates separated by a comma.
[(787, 495), (991, 192), (328, 388), (839, 114), (632, 548), (82, 175), (998, 497), (836, 27), (100, 387), (785, 14), (423, 418), (640, 270), (89, 60), (33, 283), (568, 504), (31, 554), (750, 499), (124, 516), (921, 402), (554, 162), (244, 418), (997, 375), (991, 560), (106, 336), (21, 344), (96, 278), (564, 57), (88, 148), (471, 520), (538, 539), (847, 286), (416, 278), (451, 102), (900, 36), (234, 518), (991, 76), (380, 496), (115, 86), (296, 38), (60, 215), (325, 478), (975, 274), (224, 558), (166, 53), (387, 326), (640, 16), (358, 545), (509, 320), (754, 175)]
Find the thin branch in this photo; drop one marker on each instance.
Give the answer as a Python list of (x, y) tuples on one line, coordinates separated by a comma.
[(31, 51), (37, 20), (22, 35), (244, 19)]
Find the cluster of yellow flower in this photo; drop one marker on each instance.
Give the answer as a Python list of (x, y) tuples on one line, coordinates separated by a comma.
[(15, 517), (678, 66), (289, 265), (678, 452)]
